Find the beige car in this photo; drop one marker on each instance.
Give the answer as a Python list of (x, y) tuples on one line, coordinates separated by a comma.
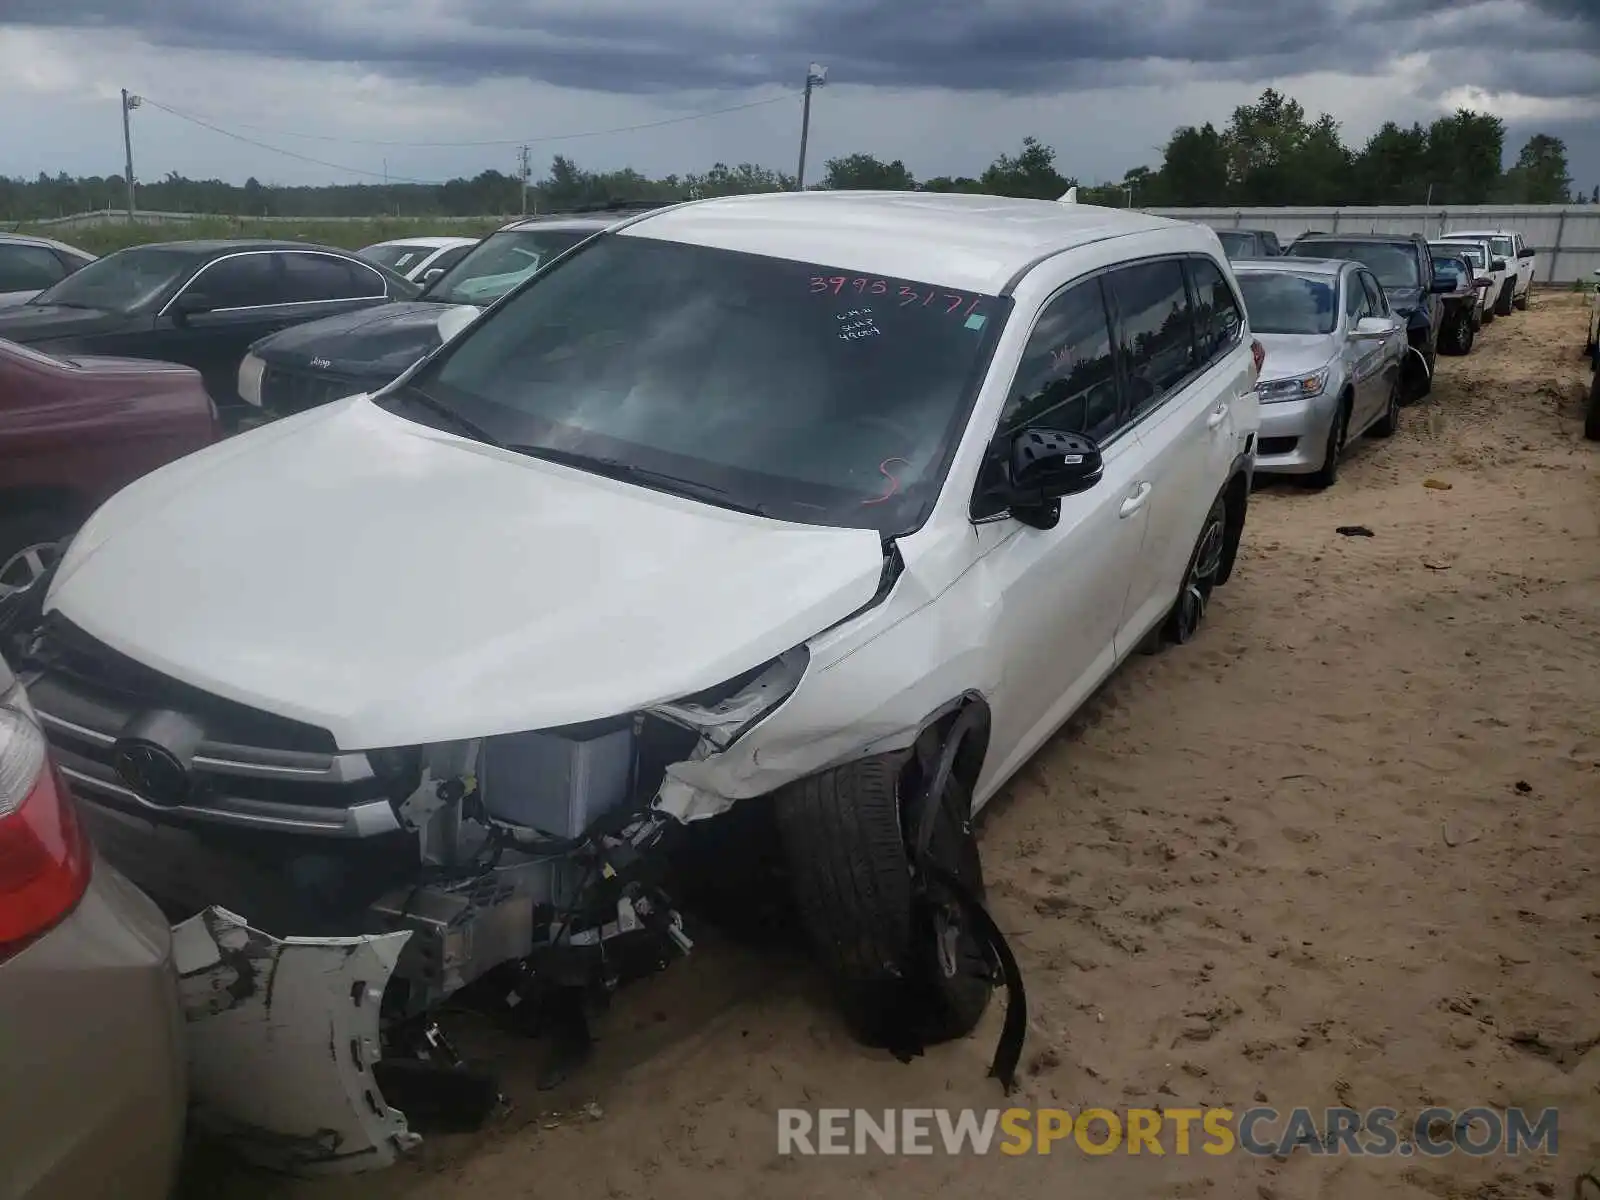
[(92, 1074)]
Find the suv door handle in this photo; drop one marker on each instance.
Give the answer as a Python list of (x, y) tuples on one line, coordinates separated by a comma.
[(1135, 501), (1217, 415)]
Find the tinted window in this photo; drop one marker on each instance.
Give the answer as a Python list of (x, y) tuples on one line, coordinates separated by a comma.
[(1396, 264), (500, 262), (28, 268), (1376, 300), (817, 393), (1283, 303), (1451, 269), (1217, 316), (242, 281), (1157, 343), (1068, 378), (308, 277), (1270, 240), (1502, 246), (122, 282)]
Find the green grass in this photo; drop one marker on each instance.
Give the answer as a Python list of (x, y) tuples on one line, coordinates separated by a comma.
[(351, 235)]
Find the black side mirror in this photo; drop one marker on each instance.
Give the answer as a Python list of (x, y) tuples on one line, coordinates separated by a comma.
[(430, 275), (1039, 467), (1498, 264), (189, 304)]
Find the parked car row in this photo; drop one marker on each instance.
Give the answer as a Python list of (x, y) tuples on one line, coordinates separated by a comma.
[(1591, 347)]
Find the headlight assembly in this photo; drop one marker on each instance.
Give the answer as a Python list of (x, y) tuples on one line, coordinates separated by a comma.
[(1300, 387), (725, 713), (251, 369)]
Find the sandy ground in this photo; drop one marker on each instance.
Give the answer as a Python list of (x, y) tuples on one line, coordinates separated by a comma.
[(1344, 848)]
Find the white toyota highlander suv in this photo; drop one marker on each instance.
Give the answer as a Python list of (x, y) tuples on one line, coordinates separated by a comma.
[(843, 500)]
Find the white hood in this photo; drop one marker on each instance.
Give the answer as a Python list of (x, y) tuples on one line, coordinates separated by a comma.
[(395, 584)]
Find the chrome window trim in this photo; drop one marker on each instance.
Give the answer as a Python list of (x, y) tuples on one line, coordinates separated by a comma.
[(383, 294)]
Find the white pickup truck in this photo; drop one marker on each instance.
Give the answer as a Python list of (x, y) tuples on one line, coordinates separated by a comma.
[(1512, 247), (1591, 347)]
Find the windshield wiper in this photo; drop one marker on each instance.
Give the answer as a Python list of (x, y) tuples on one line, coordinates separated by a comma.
[(662, 481), (433, 404)]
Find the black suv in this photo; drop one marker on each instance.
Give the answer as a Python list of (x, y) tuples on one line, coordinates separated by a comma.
[(1403, 264), (325, 360)]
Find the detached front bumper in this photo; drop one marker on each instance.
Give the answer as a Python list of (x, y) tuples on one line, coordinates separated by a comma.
[(1293, 439), (282, 1038)]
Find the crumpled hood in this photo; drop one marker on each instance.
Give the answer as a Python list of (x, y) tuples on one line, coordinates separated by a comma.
[(377, 342), (397, 584), (31, 323), (1290, 354)]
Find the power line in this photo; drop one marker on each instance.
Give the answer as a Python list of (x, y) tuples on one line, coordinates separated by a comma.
[(239, 137), (787, 94)]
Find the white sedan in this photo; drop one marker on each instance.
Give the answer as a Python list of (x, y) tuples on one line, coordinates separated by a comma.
[(419, 259)]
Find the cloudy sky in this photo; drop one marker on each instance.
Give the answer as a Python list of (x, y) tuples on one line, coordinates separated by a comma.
[(942, 84)]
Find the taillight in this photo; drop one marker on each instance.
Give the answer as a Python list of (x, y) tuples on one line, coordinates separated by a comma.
[(1259, 353), (45, 857)]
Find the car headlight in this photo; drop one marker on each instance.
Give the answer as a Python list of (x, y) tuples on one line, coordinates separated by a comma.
[(1300, 387), (251, 369), (725, 713)]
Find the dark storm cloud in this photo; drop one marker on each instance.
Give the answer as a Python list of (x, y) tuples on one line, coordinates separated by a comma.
[(1011, 46)]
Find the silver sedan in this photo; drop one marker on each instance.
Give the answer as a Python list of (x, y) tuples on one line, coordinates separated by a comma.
[(1332, 368)]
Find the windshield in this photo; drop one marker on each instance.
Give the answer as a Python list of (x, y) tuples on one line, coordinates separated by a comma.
[(808, 393), (1236, 245), (397, 257), (1395, 265), (1449, 268), (1472, 253), (122, 282), (500, 262), (1283, 303)]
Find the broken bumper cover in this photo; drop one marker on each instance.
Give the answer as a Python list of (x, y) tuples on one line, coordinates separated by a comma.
[(282, 1039)]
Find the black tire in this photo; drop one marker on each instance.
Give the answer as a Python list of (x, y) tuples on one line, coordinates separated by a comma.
[(1521, 302), (1461, 333), (41, 531), (1502, 303), (1328, 474), (1200, 577), (1388, 424), (1488, 315), (903, 968), (1591, 416)]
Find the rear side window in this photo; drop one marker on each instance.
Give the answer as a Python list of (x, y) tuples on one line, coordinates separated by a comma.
[(28, 269), (1068, 378), (311, 277), (1217, 315), (242, 281), (1155, 338)]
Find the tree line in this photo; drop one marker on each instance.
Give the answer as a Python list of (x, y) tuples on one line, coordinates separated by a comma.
[(1269, 153)]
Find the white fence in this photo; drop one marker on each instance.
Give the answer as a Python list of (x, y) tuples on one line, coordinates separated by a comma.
[(1566, 237)]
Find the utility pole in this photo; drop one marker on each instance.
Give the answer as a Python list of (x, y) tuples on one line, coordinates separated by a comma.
[(129, 103), (524, 170), (816, 76)]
